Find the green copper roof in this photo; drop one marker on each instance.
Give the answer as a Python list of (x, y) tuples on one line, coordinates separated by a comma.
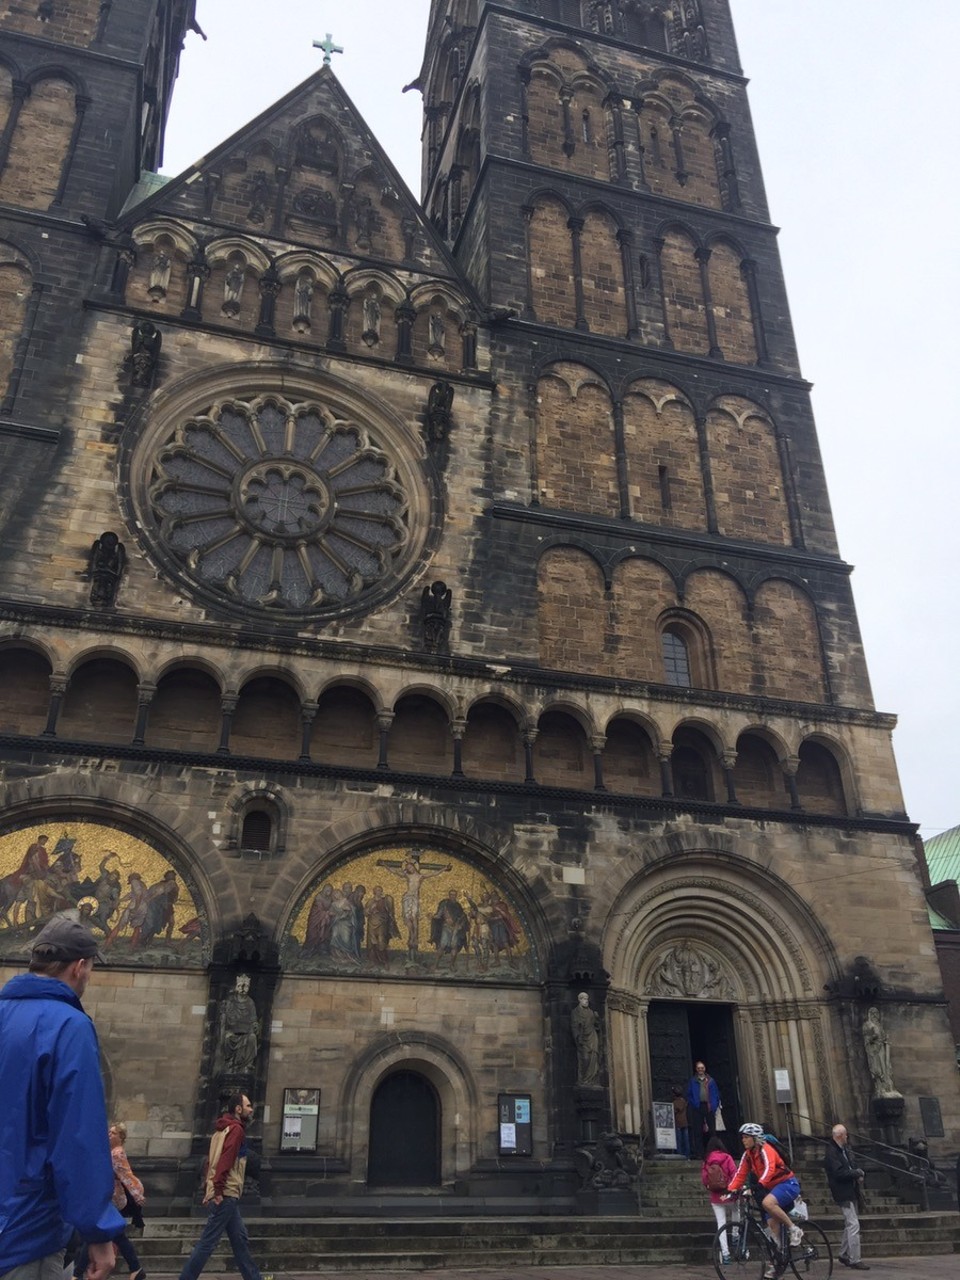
[(943, 862), (943, 856)]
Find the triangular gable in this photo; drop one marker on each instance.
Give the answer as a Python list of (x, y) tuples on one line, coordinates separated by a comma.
[(307, 172)]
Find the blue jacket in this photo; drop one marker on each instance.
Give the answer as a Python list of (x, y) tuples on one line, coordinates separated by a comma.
[(693, 1094), (55, 1166)]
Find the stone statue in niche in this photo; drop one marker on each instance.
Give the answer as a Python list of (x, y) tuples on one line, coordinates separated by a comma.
[(233, 288), (145, 343), (303, 302), (438, 333), (366, 221), (435, 605), (876, 1044), (239, 1030), (585, 1029), (160, 269), (439, 416), (686, 972), (260, 197), (105, 569), (372, 315)]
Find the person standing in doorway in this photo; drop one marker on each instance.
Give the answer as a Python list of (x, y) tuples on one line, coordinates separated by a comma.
[(845, 1180), (681, 1122), (223, 1187), (703, 1099), (55, 1172)]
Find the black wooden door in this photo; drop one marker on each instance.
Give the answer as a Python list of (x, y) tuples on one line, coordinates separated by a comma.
[(404, 1133), (669, 1033)]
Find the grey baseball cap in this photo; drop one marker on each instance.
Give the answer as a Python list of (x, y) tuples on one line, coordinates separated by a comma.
[(66, 938)]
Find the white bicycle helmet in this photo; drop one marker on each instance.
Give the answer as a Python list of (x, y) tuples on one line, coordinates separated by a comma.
[(752, 1131)]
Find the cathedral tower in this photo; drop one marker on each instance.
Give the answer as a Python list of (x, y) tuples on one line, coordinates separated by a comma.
[(424, 645)]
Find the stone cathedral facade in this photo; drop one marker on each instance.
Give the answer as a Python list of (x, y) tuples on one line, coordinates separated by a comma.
[(414, 615)]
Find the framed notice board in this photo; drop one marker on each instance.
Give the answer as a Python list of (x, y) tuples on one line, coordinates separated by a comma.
[(301, 1120), (515, 1124), (664, 1131)]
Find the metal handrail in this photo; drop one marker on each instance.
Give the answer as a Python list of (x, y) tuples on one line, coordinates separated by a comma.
[(920, 1169)]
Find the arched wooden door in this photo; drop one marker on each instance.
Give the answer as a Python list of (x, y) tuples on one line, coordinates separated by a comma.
[(404, 1132)]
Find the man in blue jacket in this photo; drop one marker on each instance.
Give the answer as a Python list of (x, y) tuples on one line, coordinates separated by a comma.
[(703, 1101), (55, 1173)]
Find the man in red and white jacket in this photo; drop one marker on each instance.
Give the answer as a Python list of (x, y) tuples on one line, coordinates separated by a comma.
[(226, 1170)]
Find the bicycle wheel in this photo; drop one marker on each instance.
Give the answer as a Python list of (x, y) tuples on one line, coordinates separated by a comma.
[(812, 1259), (747, 1251)]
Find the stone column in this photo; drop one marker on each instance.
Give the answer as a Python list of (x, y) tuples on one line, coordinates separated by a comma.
[(458, 728), (308, 713), (729, 760), (145, 695), (529, 738), (384, 721), (228, 705), (790, 766), (597, 744), (58, 689)]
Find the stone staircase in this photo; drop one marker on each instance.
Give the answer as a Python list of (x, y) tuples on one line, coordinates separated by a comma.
[(374, 1245), (672, 1186)]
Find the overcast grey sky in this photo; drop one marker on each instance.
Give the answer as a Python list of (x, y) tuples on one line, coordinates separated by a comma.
[(855, 113)]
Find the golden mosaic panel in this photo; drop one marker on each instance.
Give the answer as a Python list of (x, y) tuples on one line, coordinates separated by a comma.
[(410, 911), (132, 897)]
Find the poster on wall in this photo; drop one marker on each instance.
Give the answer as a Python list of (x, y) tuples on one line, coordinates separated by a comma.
[(515, 1127), (410, 911), (301, 1120), (141, 908), (665, 1134)]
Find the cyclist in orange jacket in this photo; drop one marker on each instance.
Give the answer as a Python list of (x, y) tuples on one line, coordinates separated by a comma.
[(777, 1184)]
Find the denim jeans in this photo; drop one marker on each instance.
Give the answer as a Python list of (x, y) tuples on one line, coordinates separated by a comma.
[(124, 1248), (224, 1217), (683, 1142)]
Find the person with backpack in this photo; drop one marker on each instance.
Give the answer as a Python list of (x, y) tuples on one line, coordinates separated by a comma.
[(776, 1183), (715, 1174)]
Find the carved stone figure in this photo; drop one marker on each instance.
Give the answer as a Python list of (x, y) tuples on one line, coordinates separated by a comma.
[(159, 275), (585, 1029), (303, 302), (435, 604), (239, 1030), (687, 972), (365, 220), (105, 568), (610, 1162), (438, 333), (145, 343), (372, 314), (233, 288), (439, 418), (876, 1044)]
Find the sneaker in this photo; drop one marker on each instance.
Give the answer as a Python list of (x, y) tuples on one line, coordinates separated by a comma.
[(796, 1236), (859, 1266), (724, 1259), (771, 1273), (843, 1260)]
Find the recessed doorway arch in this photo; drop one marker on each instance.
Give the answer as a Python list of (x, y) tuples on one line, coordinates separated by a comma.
[(720, 937)]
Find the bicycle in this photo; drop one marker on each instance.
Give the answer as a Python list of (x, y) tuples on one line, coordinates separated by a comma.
[(751, 1251)]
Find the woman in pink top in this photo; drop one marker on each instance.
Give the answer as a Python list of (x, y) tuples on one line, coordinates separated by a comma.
[(717, 1170)]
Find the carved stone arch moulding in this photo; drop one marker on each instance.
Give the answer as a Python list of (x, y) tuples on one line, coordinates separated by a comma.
[(139, 900), (410, 911), (688, 970), (306, 503), (660, 920)]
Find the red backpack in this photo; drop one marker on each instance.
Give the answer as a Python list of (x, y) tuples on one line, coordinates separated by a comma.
[(716, 1178)]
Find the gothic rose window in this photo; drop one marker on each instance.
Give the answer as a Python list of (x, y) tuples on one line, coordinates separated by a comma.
[(278, 506)]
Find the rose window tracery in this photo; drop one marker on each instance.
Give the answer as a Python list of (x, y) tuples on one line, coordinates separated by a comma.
[(288, 507)]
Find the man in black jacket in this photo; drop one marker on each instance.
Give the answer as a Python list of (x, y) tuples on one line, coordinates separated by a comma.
[(845, 1178)]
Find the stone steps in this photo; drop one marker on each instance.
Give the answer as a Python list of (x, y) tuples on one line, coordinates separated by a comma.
[(361, 1244)]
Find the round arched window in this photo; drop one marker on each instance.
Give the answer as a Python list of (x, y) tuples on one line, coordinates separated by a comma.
[(294, 509)]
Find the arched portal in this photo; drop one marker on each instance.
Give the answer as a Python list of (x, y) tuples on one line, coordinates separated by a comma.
[(713, 957), (405, 1123)]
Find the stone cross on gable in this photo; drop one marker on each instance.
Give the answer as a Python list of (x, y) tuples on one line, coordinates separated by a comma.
[(328, 47)]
